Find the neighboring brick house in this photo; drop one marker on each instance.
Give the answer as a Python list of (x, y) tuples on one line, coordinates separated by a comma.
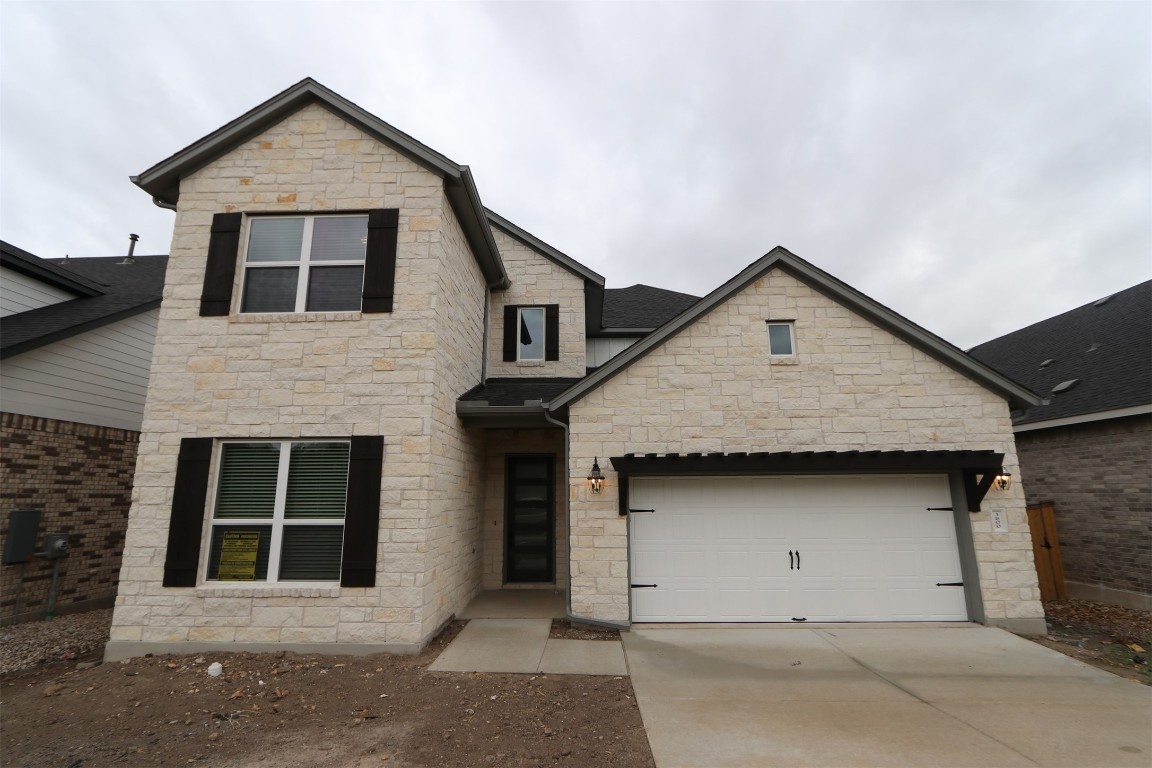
[(76, 344), (1088, 447), (371, 400)]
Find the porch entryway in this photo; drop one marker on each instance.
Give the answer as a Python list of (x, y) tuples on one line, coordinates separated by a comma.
[(515, 604)]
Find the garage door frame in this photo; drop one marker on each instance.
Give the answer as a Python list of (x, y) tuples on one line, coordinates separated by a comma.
[(969, 473)]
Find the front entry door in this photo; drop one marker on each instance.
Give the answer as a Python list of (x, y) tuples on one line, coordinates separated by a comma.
[(529, 546)]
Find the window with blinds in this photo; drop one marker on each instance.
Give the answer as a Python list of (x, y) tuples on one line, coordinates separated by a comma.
[(278, 514), (304, 264)]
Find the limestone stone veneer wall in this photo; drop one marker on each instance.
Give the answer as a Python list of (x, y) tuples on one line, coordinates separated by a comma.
[(537, 280), (851, 385), (318, 375)]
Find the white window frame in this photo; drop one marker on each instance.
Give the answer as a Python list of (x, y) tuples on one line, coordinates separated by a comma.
[(791, 326), (543, 334), (277, 521), (304, 264)]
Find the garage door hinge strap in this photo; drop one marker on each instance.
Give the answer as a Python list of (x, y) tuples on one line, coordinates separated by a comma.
[(949, 583), (634, 511), (938, 509), (643, 586)]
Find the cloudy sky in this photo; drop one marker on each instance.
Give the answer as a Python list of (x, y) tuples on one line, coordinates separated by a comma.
[(976, 166)]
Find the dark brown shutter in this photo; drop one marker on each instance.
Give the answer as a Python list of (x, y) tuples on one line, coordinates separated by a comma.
[(552, 332), (510, 331), (380, 260), (362, 518), (187, 521), (220, 271)]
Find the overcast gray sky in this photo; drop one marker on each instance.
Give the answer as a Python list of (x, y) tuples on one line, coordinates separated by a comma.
[(976, 167)]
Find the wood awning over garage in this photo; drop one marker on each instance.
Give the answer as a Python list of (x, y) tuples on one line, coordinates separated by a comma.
[(978, 468)]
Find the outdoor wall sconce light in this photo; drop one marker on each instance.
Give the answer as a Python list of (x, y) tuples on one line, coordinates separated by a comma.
[(1003, 481), (596, 478)]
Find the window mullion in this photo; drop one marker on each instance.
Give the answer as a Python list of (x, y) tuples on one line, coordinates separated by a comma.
[(305, 257), (278, 512)]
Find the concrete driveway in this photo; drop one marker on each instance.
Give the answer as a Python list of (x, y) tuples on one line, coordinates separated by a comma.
[(872, 696)]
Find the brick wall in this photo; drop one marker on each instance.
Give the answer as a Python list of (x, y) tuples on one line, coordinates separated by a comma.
[(80, 477), (1100, 477)]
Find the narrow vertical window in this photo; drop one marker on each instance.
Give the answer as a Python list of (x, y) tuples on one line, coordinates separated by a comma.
[(780, 339), (531, 333)]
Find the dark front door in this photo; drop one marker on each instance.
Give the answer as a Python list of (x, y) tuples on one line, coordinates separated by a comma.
[(530, 522)]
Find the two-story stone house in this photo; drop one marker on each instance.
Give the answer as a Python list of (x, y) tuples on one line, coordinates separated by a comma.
[(372, 398)]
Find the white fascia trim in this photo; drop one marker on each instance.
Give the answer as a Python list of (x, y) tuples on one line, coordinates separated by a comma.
[(1119, 413)]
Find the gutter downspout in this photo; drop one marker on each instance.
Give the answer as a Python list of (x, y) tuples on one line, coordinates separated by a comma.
[(568, 590), (484, 346)]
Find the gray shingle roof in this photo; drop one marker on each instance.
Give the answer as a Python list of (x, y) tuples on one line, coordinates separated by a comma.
[(1106, 348), (642, 306), (517, 391), (124, 290)]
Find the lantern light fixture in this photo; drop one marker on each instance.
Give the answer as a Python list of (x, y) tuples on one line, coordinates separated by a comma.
[(596, 479), (1003, 481)]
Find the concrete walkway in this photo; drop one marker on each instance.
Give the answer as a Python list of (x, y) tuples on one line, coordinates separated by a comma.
[(523, 645), (848, 696)]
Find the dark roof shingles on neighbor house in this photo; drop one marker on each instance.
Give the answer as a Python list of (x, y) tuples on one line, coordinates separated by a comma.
[(1106, 346), (123, 290), (642, 306)]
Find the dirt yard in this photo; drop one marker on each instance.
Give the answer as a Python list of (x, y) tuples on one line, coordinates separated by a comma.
[(1111, 637), (283, 710)]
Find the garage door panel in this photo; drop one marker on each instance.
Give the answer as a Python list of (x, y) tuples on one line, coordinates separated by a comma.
[(868, 549)]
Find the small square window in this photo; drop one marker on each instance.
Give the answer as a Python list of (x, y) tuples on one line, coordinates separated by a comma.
[(531, 322), (780, 341), (304, 264)]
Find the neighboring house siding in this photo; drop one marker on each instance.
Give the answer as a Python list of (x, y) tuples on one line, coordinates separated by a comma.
[(602, 350), (338, 375), (537, 281), (80, 477), (96, 377), (20, 293), (1099, 475), (851, 386)]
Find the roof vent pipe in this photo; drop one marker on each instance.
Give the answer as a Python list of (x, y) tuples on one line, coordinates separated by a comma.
[(131, 249)]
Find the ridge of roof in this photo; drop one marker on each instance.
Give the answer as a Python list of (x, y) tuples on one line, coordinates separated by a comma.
[(127, 290), (46, 271), (817, 279), (1105, 344), (162, 180)]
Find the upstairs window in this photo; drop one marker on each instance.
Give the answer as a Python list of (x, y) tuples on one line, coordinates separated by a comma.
[(531, 325), (279, 512), (304, 264), (531, 333), (780, 339)]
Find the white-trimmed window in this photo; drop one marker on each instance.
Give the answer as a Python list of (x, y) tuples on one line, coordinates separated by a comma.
[(278, 512), (304, 264), (531, 323), (781, 339)]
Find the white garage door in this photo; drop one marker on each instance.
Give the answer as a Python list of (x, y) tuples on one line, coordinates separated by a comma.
[(810, 548)]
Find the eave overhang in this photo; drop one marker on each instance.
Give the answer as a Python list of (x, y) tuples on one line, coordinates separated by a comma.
[(162, 181), (19, 260), (531, 415)]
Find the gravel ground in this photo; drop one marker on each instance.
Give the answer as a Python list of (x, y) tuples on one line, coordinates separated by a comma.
[(75, 636)]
